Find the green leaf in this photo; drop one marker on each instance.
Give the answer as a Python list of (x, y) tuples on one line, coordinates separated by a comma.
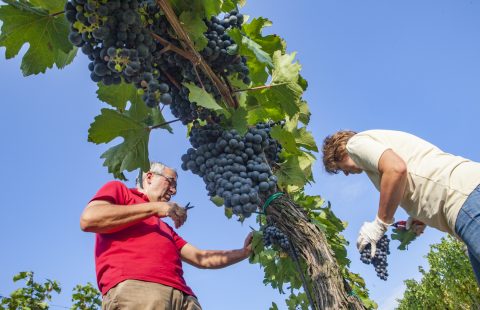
[(290, 173), (269, 43), (404, 236), (229, 5), (257, 59), (22, 275), (118, 96), (253, 46), (239, 120), (195, 27), (129, 155), (212, 7), (286, 139), (46, 35), (305, 139), (157, 119), (285, 75), (304, 115), (203, 98), (52, 6)]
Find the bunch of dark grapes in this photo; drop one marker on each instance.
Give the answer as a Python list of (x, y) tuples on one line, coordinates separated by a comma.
[(116, 36), (379, 261), (273, 235), (233, 167), (221, 51)]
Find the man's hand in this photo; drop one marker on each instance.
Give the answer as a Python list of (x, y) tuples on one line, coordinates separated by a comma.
[(371, 233), (247, 246), (175, 212), (418, 227)]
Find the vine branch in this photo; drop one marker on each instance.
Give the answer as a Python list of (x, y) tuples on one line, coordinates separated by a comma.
[(197, 58), (169, 46)]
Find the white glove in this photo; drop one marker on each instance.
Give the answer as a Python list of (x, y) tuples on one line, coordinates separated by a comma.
[(371, 233)]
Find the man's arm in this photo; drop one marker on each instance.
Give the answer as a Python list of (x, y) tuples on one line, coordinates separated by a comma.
[(215, 259), (393, 173), (101, 216)]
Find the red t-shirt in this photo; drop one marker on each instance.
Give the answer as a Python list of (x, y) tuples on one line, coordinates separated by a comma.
[(148, 250)]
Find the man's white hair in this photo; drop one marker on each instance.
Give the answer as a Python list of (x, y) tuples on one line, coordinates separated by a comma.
[(155, 166)]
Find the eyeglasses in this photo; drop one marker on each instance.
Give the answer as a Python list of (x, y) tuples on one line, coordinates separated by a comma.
[(171, 180)]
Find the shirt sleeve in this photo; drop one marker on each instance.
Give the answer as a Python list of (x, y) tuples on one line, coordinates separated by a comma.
[(179, 242), (365, 151), (113, 192)]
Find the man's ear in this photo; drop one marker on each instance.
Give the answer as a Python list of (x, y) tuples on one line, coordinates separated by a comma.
[(148, 177)]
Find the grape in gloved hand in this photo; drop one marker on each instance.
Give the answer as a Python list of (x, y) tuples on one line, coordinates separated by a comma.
[(371, 233)]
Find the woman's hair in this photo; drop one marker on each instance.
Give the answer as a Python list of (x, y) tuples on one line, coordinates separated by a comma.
[(334, 149)]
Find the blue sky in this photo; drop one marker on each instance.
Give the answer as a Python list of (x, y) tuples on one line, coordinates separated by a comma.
[(404, 65)]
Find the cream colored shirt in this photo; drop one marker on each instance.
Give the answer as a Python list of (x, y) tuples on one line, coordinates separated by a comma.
[(438, 183)]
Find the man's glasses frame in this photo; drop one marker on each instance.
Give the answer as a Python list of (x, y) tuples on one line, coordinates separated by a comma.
[(171, 180)]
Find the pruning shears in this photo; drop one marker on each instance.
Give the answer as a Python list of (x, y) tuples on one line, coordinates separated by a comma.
[(188, 206)]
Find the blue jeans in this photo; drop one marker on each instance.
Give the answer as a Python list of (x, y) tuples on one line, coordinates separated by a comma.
[(467, 228)]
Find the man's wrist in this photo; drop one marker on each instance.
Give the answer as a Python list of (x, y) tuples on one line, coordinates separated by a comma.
[(384, 224)]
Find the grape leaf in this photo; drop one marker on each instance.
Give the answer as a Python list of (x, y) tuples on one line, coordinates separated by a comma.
[(285, 76), (286, 139), (229, 5), (45, 33), (129, 155), (305, 139), (52, 6), (404, 236), (118, 96), (239, 120), (195, 27), (269, 43), (290, 173), (212, 7), (257, 59), (304, 115), (263, 112), (204, 99)]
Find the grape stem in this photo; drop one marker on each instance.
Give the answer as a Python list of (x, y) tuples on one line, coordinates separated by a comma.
[(171, 79), (259, 87), (163, 124), (227, 82), (198, 77), (55, 14), (170, 46), (196, 57)]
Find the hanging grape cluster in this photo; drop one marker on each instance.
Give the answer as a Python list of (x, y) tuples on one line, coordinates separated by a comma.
[(220, 51), (119, 37), (234, 167), (273, 235), (379, 261)]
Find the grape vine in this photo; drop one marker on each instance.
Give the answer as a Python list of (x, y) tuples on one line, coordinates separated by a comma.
[(239, 92)]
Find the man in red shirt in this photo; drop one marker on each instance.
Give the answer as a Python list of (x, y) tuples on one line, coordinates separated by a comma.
[(137, 255)]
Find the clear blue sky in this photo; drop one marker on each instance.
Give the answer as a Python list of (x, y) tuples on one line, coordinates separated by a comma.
[(404, 65)]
